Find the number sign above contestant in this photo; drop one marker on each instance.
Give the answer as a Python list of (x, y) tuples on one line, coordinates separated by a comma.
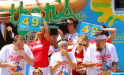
[(89, 29), (30, 23)]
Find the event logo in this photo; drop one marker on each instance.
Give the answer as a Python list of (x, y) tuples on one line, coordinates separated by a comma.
[(119, 38), (105, 11), (52, 9), (47, 10)]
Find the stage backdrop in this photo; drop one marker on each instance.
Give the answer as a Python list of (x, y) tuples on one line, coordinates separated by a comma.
[(98, 12)]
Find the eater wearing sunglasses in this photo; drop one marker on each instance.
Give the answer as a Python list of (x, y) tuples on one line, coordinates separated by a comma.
[(106, 30), (79, 50), (101, 58)]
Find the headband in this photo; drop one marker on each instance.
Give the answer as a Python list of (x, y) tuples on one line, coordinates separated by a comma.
[(101, 37), (62, 42)]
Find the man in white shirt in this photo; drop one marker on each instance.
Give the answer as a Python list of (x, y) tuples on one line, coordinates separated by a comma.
[(7, 29), (62, 62), (101, 58), (13, 57)]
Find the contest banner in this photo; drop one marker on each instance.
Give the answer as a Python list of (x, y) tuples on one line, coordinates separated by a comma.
[(52, 9), (89, 29)]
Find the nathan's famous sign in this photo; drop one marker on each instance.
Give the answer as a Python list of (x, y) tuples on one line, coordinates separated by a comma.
[(52, 9)]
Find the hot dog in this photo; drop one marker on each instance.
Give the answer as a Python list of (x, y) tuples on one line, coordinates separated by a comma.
[(75, 5)]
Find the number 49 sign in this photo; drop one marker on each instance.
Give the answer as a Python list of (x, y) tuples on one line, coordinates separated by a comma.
[(30, 23), (89, 29)]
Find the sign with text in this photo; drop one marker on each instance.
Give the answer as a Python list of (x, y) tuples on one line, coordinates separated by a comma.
[(30, 23), (89, 29)]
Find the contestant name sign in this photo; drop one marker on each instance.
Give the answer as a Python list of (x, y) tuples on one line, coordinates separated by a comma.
[(89, 29), (30, 23)]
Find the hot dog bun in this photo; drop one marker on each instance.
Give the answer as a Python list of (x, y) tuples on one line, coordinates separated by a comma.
[(75, 5)]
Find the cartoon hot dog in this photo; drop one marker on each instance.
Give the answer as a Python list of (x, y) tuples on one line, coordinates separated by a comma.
[(75, 5), (29, 5)]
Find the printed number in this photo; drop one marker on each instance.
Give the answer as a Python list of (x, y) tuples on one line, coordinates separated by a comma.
[(35, 22), (94, 29), (85, 29), (26, 21)]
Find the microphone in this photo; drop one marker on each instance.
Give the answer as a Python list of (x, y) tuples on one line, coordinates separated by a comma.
[(7, 24)]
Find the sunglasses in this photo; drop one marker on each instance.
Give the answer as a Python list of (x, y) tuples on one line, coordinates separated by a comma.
[(99, 41), (82, 44)]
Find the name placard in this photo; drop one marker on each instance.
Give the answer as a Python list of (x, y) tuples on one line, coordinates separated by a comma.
[(89, 29), (30, 23)]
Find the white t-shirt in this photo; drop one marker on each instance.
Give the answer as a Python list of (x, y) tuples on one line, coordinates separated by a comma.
[(7, 54), (64, 69), (52, 50), (71, 37), (109, 55)]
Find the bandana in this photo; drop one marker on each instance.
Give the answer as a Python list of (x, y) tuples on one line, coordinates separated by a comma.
[(101, 37), (62, 42)]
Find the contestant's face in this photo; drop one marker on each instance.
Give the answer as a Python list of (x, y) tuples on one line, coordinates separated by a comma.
[(81, 43), (62, 48), (100, 43), (18, 45)]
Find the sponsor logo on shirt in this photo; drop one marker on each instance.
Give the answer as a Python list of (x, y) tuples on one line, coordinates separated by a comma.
[(13, 58), (105, 57), (37, 46)]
